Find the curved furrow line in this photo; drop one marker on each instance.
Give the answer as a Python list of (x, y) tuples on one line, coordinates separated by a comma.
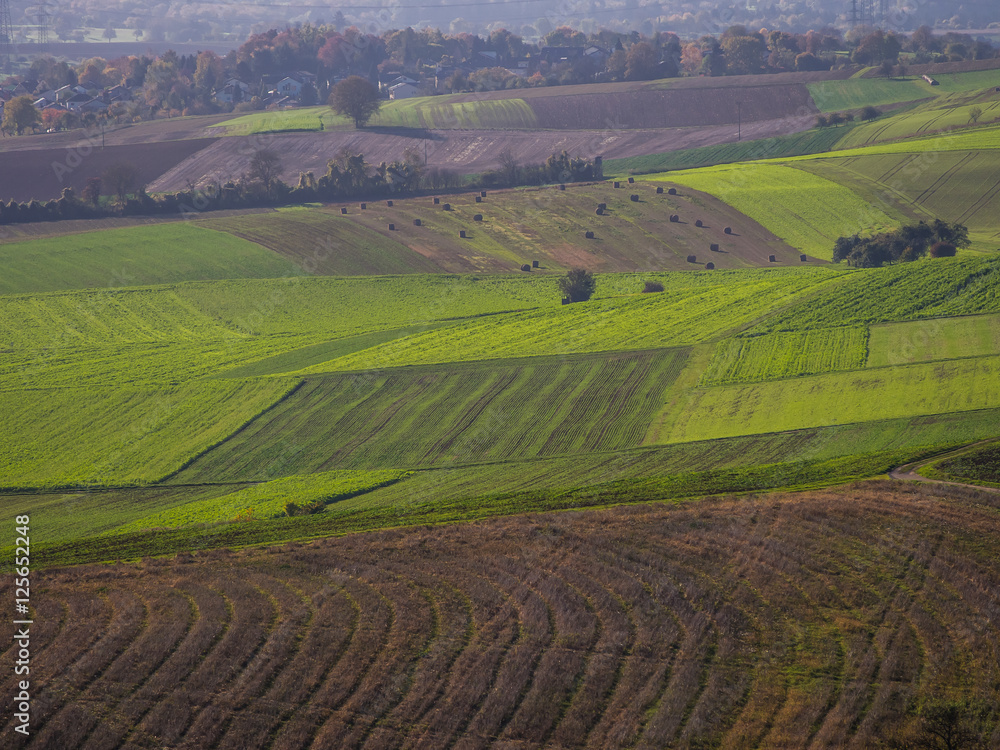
[(160, 708), (337, 620), (497, 627), (655, 636), (171, 621), (350, 722), (686, 681), (240, 702), (171, 704), (49, 614), (254, 616), (376, 621), (558, 668), (514, 677), (62, 721), (433, 672), (613, 642)]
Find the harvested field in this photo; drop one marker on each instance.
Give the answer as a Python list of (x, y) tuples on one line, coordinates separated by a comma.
[(42, 174), (464, 151), (795, 619)]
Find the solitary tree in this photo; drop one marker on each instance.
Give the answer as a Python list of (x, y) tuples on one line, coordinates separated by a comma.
[(265, 168), (122, 178), (357, 98), (869, 113), (578, 285), (975, 113), (110, 33), (19, 114)]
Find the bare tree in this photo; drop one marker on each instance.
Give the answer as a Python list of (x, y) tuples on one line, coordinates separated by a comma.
[(265, 169), (122, 178)]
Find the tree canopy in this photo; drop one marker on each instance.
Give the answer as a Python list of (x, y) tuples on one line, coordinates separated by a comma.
[(357, 98), (578, 285), (899, 246)]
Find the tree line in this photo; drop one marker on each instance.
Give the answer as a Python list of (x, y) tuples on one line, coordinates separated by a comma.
[(902, 245)]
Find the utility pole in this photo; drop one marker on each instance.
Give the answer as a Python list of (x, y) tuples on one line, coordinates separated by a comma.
[(6, 35), (739, 120)]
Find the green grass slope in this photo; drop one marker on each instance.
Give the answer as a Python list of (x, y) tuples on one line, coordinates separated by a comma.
[(410, 417), (854, 93), (136, 256)]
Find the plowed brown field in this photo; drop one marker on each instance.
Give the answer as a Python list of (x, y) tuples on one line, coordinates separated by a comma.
[(821, 619)]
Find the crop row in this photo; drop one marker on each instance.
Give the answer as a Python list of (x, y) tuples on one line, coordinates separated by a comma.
[(730, 623)]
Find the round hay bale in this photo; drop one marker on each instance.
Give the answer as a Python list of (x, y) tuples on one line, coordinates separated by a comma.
[(479, 199), (618, 184), (534, 264), (728, 230), (436, 201), (603, 206), (482, 193), (392, 227), (525, 267), (710, 266), (416, 222), (714, 247), (675, 218), (772, 259), (599, 212), (699, 223), (634, 198), (562, 187), (672, 191), (364, 206), (803, 258), (446, 206), (461, 233), (659, 191), (631, 180), (477, 217), (589, 235), (389, 204), (343, 210), (692, 259)]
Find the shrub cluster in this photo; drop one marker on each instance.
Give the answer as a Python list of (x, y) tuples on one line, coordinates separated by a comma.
[(902, 245)]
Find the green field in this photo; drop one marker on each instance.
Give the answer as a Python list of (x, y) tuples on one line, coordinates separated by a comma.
[(796, 144), (136, 256), (787, 355), (448, 112), (805, 210), (854, 93), (675, 317), (858, 396), (934, 339), (409, 417), (934, 117)]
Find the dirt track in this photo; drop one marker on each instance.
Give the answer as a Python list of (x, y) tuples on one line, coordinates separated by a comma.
[(908, 472), (464, 151)]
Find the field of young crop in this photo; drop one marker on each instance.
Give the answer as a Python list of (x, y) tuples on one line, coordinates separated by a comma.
[(955, 186), (675, 317), (137, 256), (724, 623), (787, 355), (437, 112), (934, 339), (855, 93), (981, 465), (930, 288), (805, 210), (124, 435), (940, 115), (797, 144), (268, 500), (411, 417), (858, 396)]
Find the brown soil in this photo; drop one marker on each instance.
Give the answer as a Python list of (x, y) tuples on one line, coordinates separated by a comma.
[(42, 174), (642, 626)]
